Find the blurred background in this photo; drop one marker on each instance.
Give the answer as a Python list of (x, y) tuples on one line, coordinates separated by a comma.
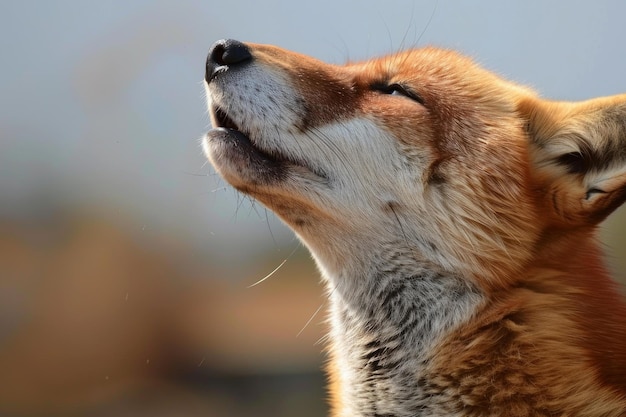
[(125, 261)]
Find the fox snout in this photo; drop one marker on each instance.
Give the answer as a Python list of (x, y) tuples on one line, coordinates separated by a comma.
[(225, 53)]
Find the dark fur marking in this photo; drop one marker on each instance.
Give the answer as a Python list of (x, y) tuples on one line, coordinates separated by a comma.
[(587, 159)]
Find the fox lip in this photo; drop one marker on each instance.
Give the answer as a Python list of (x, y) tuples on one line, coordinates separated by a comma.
[(241, 148), (246, 151), (221, 119), (224, 126)]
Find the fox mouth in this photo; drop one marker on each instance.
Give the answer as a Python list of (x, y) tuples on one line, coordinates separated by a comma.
[(223, 123), (246, 152), (222, 120)]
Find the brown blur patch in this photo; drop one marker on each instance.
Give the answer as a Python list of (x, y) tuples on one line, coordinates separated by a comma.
[(80, 332), (93, 318)]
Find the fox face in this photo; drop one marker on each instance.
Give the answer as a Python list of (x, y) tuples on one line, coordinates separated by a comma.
[(372, 152), (422, 146), (451, 213)]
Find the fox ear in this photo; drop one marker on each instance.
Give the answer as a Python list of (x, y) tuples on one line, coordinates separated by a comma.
[(578, 154)]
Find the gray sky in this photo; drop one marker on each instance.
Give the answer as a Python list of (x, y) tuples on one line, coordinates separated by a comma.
[(102, 103)]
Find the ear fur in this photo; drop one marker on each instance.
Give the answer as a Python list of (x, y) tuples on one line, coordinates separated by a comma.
[(578, 156)]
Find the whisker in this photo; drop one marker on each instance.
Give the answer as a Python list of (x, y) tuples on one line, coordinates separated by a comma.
[(408, 29), (253, 208), (240, 199), (269, 227), (311, 319), (430, 19), (275, 269), (268, 275)]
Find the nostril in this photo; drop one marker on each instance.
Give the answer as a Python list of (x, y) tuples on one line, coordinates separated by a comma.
[(232, 52), (226, 52), (216, 54)]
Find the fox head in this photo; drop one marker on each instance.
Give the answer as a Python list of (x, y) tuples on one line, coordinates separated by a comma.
[(422, 151)]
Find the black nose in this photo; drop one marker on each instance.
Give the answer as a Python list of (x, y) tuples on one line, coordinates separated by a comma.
[(225, 53)]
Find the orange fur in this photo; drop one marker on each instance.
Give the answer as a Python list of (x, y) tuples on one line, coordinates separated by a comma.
[(481, 188), (550, 346)]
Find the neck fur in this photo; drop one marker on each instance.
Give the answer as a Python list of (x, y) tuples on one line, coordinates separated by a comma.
[(384, 325)]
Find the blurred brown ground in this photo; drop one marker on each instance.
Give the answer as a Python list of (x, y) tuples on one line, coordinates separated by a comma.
[(97, 321)]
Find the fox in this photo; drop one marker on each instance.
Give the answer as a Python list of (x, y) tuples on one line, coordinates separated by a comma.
[(452, 215)]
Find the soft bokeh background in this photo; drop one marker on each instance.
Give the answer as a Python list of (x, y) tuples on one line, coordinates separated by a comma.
[(125, 261)]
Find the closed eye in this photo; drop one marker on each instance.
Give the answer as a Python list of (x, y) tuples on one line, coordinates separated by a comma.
[(397, 89)]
